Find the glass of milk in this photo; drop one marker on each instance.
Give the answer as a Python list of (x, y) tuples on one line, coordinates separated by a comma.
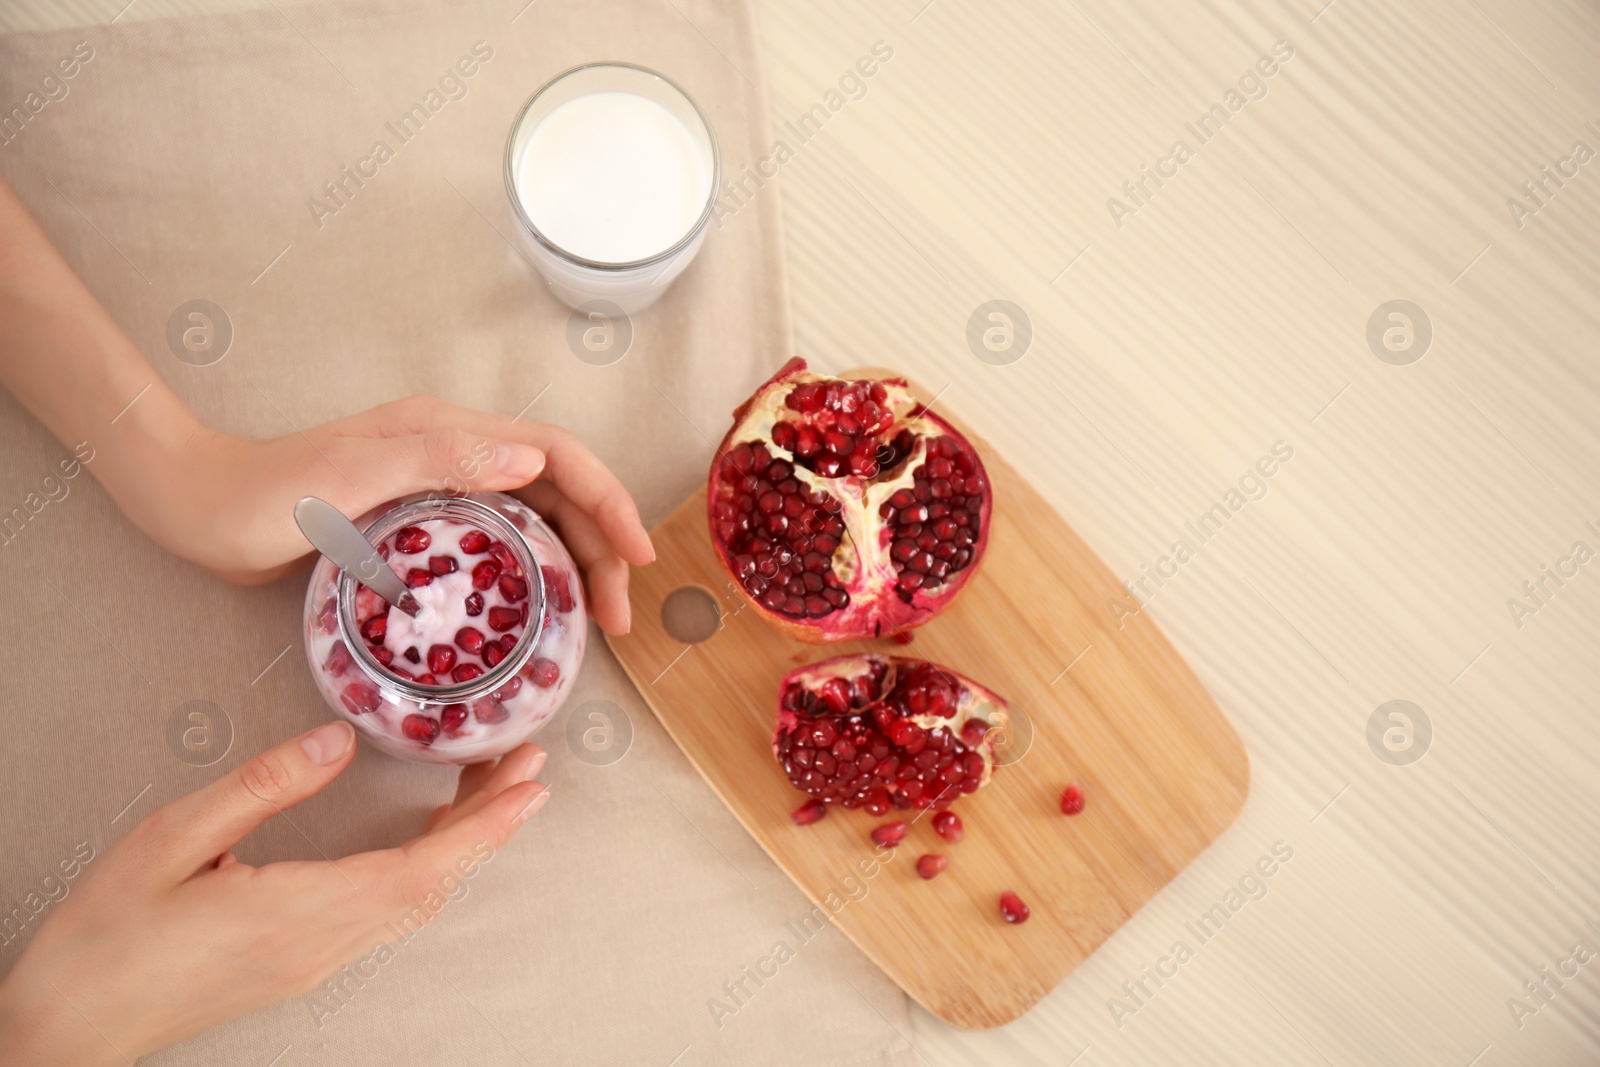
[(612, 172)]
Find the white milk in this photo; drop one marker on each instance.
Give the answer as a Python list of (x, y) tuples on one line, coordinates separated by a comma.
[(613, 177)]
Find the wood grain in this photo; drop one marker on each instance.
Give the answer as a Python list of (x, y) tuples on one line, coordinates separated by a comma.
[(1163, 770)]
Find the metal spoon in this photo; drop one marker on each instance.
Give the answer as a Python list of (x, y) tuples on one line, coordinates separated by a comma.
[(337, 538)]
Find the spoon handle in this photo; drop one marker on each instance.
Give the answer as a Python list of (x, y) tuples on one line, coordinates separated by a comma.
[(336, 537)]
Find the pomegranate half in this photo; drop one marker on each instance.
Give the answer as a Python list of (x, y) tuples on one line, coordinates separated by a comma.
[(877, 732), (846, 509)]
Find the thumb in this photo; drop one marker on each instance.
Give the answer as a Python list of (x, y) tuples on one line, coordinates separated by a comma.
[(194, 830), (453, 461)]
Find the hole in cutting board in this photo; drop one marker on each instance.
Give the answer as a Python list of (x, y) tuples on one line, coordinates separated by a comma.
[(690, 614)]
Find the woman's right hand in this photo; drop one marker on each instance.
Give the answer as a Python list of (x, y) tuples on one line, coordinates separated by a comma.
[(168, 934)]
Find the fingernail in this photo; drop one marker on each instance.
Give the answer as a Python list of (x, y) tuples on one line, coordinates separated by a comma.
[(535, 765), (518, 461), (327, 743), (533, 805)]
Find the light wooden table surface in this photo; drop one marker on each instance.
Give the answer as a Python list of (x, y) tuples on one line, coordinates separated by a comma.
[(1169, 353), (1175, 343)]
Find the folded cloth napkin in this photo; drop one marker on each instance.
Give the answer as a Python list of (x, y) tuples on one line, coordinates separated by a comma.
[(208, 157)]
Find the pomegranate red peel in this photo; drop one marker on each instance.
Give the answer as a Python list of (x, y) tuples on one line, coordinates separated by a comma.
[(875, 732), (845, 509)]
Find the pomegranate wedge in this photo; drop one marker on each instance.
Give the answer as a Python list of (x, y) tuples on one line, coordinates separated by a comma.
[(877, 732)]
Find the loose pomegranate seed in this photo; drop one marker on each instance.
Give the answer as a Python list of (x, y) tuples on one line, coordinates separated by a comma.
[(484, 574), (493, 653), (474, 542), (410, 540), (544, 673), (466, 672), (416, 577), (558, 590), (382, 655), (452, 716), (1071, 800), (1012, 909), (470, 639), (509, 690), (412, 654), (375, 628), (890, 834), (474, 604), (513, 589), (501, 619), (442, 565), (809, 812), (904, 637), (441, 658), (360, 698), (947, 824), (419, 728), (489, 712), (427, 679), (931, 866), (328, 617)]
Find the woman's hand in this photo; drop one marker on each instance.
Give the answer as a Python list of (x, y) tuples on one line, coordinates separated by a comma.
[(227, 503), (168, 934)]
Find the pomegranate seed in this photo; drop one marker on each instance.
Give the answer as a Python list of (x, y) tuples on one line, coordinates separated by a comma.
[(513, 589), (441, 658), (947, 824), (558, 589), (419, 728), (470, 639), (328, 617), (904, 637), (972, 732), (360, 698), (416, 577), (484, 574), (452, 716), (466, 672), (931, 866), (375, 628), (890, 834), (501, 619), (474, 543), (401, 672), (442, 565), (544, 673), (382, 655), (410, 540), (369, 603), (338, 659), (1071, 800), (1012, 909), (509, 690), (427, 679), (503, 556), (493, 654), (489, 712), (809, 812), (474, 604)]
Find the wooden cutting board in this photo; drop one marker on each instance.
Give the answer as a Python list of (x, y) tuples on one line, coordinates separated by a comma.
[(1116, 710)]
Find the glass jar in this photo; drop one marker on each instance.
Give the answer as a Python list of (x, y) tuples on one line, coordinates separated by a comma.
[(491, 655)]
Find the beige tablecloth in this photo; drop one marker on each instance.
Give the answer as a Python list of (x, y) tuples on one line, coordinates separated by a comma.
[(180, 162)]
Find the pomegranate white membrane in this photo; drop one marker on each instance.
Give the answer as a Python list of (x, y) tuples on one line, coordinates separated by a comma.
[(490, 656), (612, 171)]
